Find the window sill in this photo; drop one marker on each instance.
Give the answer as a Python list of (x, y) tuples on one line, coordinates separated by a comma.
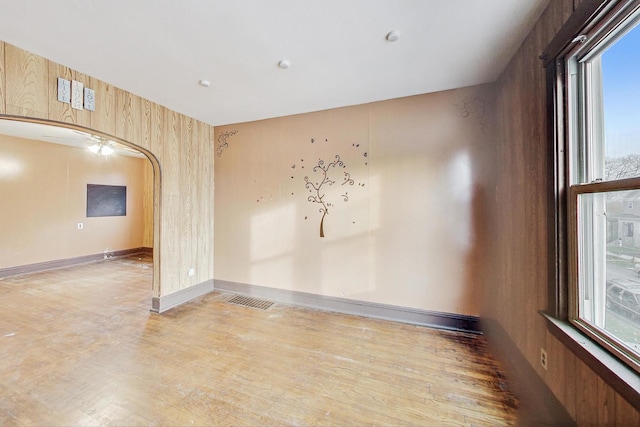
[(621, 378)]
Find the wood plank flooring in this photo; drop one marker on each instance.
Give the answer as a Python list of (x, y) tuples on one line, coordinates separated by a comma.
[(78, 346)]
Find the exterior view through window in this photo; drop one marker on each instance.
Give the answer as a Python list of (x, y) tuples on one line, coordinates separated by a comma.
[(603, 83)]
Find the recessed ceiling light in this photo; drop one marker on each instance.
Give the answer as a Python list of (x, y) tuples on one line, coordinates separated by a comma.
[(284, 64), (204, 83), (393, 36)]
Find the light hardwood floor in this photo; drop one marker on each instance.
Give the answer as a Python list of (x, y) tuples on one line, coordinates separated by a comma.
[(79, 347)]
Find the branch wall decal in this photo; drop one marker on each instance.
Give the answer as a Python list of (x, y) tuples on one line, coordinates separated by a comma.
[(222, 141), (473, 107)]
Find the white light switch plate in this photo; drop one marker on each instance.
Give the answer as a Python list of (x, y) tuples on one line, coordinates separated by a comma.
[(77, 95), (64, 90)]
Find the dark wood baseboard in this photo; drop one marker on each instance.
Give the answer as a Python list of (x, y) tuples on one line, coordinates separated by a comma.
[(145, 250), (68, 262), (433, 319), (538, 405), (167, 302)]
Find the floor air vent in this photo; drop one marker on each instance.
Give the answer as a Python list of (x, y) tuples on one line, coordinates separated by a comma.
[(250, 302)]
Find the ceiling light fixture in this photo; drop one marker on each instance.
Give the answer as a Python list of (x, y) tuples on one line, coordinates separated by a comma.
[(204, 83), (284, 64), (392, 36), (102, 147)]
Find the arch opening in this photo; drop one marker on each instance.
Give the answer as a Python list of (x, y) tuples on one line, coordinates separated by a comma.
[(73, 135)]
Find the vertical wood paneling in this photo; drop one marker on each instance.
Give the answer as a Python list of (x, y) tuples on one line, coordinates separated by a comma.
[(3, 100), (555, 375), (200, 134), (156, 130), (517, 276), (606, 408), (553, 18), (207, 198), (536, 179), (515, 221), (170, 268), (171, 154), (28, 87), (521, 209), (586, 395), (104, 118), (569, 379), (187, 193), (27, 83), (529, 176), (156, 144), (171, 187), (129, 117), (626, 415), (198, 193), (519, 288), (145, 137)]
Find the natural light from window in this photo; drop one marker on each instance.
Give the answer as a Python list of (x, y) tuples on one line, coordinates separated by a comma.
[(621, 102), (605, 86)]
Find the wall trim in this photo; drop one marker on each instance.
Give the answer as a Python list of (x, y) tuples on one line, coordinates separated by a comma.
[(620, 377), (432, 319), (68, 262), (538, 404), (164, 303), (582, 15)]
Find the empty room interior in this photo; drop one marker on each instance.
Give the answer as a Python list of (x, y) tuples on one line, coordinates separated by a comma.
[(355, 212)]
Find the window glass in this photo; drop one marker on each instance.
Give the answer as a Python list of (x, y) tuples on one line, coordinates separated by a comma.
[(609, 267), (621, 101), (603, 81)]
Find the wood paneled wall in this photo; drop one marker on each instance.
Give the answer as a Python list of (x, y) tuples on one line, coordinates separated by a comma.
[(518, 289), (180, 149)]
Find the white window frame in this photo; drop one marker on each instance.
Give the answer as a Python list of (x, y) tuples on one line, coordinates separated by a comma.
[(587, 215)]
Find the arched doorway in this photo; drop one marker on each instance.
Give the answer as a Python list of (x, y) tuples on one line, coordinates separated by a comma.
[(68, 134)]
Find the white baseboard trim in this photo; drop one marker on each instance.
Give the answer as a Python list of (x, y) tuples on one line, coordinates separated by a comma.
[(164, 303), (433, 319)]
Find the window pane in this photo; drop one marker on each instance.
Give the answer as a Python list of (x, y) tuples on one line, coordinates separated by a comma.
[(620, 65), (609, 264)]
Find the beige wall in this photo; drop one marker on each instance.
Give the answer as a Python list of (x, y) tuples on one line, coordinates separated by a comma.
[(147, 205), (43, 187), (405, 232), (179, 147)]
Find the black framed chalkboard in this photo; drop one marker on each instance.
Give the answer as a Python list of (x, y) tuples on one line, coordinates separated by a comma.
[(106, 200)]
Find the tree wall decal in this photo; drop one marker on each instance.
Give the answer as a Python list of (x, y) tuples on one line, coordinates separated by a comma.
[(222, 141), (319, 187), (477, 106)]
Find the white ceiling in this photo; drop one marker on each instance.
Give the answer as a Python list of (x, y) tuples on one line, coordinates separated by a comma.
[(161, 49)]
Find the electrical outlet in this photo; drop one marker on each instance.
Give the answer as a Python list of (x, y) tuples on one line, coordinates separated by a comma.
[(543, 358)]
